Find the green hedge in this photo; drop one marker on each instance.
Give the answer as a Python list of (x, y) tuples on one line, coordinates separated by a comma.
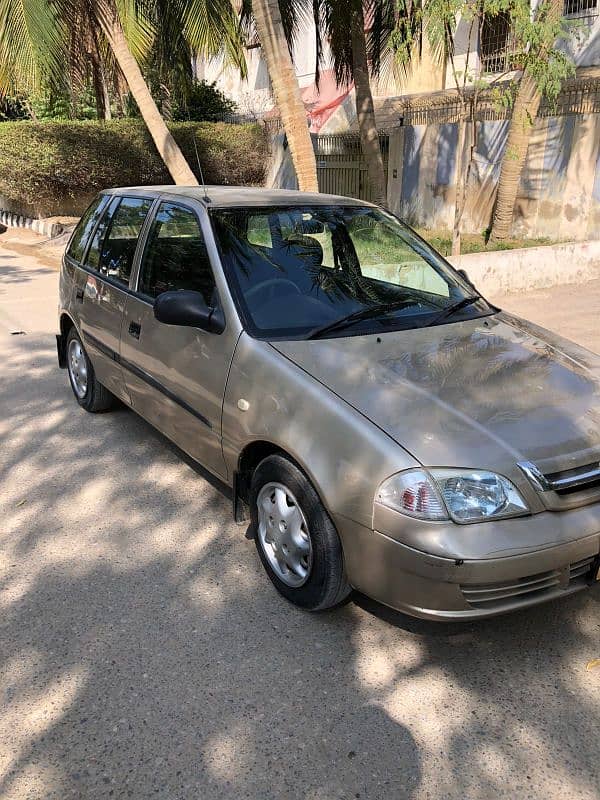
[(56, 167)]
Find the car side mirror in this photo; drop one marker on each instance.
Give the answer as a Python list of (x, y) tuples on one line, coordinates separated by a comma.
[(187, 308), (464, 275)]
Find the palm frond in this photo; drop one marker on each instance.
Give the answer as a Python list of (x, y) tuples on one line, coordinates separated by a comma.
[(212, 27), (32, 42)]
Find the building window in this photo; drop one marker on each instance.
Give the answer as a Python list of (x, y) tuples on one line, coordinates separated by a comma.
[(495, 47), (581, 8)]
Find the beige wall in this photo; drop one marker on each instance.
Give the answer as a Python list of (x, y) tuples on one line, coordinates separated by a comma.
[(559, 195)]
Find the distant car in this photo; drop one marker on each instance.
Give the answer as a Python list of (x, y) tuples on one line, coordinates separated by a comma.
[(384, 426)]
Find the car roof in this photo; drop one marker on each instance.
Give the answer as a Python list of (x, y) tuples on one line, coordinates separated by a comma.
[(233, 196)]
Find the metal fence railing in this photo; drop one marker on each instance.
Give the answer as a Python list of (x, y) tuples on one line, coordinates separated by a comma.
[(578, 96), (341, 165)]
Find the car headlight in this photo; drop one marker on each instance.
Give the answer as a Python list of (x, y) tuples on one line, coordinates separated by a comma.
[(460, 495)]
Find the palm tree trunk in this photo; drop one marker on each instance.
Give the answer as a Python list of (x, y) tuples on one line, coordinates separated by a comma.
[(459, 185), (525, 109), (267, 18), (524, 112), (166, 145), (100, 88), (99, 80), (365, 111)]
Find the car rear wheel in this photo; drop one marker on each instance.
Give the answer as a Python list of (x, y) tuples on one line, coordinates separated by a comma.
[(296, 540), (88, 391)]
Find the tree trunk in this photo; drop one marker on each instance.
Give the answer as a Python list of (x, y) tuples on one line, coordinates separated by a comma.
[(524, 113), (99, 80), (267, 18), (459, 185), (165, 143), (525, 109), (365, 111), (100, 88), (166, 102)]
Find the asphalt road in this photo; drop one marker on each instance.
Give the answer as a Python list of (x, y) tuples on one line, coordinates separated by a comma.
[(143, 653)]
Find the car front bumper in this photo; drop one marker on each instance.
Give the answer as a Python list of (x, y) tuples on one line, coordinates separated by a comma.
[(439, 588)]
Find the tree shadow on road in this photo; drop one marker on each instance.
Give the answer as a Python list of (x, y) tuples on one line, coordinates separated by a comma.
[(143, 653), (17, 273)]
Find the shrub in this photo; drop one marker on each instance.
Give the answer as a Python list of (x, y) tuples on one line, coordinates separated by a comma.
[(57, 167), (204, 102)]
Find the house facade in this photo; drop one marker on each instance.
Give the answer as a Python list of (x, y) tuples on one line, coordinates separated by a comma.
[(329, 108)]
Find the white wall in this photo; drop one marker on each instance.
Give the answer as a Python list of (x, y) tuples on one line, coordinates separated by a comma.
[(253, 95)]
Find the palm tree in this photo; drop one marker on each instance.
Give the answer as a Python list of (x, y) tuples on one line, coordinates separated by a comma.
[(356, 55), (105, 12), (365, 110), (272, 35), (525, 110), (34, 36)]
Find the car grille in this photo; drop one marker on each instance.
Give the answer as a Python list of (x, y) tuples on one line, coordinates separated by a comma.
[(497, 595), (581, 568), (579, 479), (568, 488), (575, 480)]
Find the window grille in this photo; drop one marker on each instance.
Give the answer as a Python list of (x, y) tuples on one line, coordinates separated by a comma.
[(495, 47), (581, 8)]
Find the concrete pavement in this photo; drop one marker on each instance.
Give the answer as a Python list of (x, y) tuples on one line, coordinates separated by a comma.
[(144, 654)]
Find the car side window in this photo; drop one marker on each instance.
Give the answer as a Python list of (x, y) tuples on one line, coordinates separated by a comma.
[(84, 228), (175, 256), (259, 232), (113, 247)]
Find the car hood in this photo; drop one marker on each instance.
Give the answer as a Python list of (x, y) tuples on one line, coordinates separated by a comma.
[(483, 393)]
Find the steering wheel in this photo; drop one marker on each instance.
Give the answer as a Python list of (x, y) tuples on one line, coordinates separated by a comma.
[(271, 287)]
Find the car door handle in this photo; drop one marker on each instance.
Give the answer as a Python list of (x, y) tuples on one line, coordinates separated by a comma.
[(135, 329), (79, 295)]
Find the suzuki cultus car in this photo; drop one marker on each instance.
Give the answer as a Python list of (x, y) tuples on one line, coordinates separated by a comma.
[(382, 425)]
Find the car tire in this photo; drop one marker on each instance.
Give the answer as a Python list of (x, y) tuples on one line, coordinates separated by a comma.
[(88, 391), (311, 572)]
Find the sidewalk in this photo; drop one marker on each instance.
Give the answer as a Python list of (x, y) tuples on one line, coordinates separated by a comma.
[(572, 310)]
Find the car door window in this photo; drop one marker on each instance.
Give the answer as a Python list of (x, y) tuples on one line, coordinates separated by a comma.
[(175, 256), (85, 227), (113, 247)]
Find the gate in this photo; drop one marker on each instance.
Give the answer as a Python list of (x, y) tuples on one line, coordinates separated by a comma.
[(341, 166)]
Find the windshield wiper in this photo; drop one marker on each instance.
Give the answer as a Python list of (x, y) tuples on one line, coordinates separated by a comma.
[(356, 316), (447, 312)]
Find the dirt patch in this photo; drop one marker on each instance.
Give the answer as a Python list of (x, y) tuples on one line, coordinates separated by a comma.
[(48, 252)]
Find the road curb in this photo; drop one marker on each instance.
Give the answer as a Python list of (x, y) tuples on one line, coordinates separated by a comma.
[(528, 268), (46, 228)]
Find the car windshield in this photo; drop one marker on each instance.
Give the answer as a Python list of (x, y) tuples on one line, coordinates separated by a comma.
[(309, 271)]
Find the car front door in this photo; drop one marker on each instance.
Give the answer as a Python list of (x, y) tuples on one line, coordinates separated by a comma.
[(102, 284), (176, 376)]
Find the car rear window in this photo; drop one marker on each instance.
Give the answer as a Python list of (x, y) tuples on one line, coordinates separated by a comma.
[(85, 226), (114, 244)]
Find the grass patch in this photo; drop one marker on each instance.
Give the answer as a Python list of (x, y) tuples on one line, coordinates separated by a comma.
[(475, 242)]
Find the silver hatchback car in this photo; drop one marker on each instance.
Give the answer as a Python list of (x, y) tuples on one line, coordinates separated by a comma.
[(381, 425)]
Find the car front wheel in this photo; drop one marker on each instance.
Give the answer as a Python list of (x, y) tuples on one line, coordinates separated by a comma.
[(295, 538), (88, 391)]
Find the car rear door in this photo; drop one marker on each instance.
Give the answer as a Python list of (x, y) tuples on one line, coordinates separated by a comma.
[(176, 376), (102, 284)]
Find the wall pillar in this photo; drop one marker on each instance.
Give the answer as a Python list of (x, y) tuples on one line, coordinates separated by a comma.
[(395, 165)]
